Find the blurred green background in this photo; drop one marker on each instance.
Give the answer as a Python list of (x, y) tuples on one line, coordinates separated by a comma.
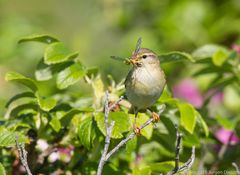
[(100, 28)]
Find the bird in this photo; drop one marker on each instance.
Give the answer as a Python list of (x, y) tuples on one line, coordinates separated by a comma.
[(144, 83)]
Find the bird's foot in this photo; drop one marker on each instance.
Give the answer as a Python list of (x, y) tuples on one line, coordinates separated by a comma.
[(155, 117), (137, 130)]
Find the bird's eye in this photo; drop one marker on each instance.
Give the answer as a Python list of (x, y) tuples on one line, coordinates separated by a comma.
[(144, 56)]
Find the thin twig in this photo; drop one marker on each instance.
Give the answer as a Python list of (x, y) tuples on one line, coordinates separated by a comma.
[(236, 167), (177, 152), (116, 103), (108, 132), (187, 165), (23, 155)]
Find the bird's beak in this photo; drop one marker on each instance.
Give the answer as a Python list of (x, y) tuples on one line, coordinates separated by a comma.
[(134, 60)]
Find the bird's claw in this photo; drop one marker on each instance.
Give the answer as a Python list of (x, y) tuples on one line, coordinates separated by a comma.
[(155, 117), (137, 130)]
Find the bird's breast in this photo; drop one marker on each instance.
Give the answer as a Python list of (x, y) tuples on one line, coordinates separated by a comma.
[(144, 86)]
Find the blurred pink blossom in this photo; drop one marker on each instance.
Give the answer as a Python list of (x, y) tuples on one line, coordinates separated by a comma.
[(236, 48), (187, 90), (62, 154), (53, 157), (42, 144), (225, 136)]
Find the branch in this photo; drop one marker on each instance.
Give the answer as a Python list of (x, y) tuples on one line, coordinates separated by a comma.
[(105, 156), (23, 155), (187, 165), (236, 167), (109, 129), (124, 141)]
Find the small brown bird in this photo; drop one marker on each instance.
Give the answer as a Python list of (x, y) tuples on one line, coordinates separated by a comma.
[(145, 81)]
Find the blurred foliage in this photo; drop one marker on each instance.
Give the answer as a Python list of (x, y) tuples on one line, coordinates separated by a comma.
[(58, 96)]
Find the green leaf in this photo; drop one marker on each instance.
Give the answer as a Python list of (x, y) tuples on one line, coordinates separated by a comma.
[(46, 104), (92, 71), (86, 132), (58, 53), (43, 71), (202, 122), (188, 117), (226, 122), (65, 120), (131, 145), (70, 75), (206, 51), (8, 138), (162, 167), (45, 38), (21, 95), (2, 170), (16, 77), (219, 57), (15, 111), (174, 57), (231, 98), (146, 170), (55, 124), (190, 140), (122, 123), (222, 82)]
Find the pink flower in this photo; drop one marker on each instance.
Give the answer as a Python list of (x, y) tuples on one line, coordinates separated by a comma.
[(53, 157), (225, 136), (62, 154), (187, 90), (42, 144), (236, 48)]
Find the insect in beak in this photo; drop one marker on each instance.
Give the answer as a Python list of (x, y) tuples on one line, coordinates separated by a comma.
[(134, 60)]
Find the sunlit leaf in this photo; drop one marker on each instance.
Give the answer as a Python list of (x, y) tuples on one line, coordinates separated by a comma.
[(8, 138), (46, 104), (19, 96), (45, 38), (142, 171), (55, 123), (219, 57), (122, 123), (70, 75), (2, 170), (188, 117), (58, 53), (86, 132), (174, 57), (16, 77)]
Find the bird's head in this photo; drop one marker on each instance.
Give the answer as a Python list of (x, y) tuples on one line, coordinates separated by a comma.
[(143, 57)]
